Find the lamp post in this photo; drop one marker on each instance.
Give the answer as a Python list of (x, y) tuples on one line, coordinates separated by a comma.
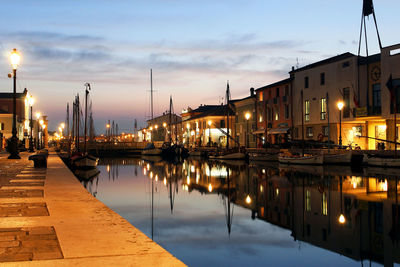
[(41, 122), (31, 102), (247, 116), (340, 106), (38, 129), (15, 59), (188, 134), (209, 133)]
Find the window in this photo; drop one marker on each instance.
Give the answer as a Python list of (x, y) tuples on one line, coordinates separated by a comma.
[(260, 96), (307, 110), (324, 204), (222, 124), (277, 92), (325, 130), (376, 98), (269, 94), (286, 90), (310, 132), (346, 100), (396, 85), (322, 78), (269, 114), (286, 112), (323, 108), (2, 126), (308, 200), (345, 64), (276, 112), (306, 82)]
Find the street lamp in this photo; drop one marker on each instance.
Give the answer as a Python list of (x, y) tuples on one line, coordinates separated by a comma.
[(15, 59), (340, 106), (31, 101), (209, 133), (247, 116)]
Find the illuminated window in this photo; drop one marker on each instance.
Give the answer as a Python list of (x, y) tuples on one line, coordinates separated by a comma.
[(276, 109), (323, 108), (308, 200), (307, 110), (260, 96), (324, 204)]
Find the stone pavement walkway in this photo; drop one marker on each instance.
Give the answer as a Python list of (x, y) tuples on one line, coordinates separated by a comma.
[(47, 218)]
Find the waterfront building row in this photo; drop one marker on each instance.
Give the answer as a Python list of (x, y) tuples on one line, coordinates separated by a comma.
[(301, 107)]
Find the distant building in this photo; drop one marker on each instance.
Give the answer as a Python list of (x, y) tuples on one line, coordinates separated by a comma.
[(245, 120), (22, 115), (207, 125), (274, 111)]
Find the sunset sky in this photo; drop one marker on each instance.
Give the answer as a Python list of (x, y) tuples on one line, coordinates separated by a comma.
[(193, 47)]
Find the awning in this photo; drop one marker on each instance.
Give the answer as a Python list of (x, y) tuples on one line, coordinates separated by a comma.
[(259, 132), (278, 130)]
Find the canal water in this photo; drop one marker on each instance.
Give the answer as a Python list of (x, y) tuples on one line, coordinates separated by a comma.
[(236, 214)]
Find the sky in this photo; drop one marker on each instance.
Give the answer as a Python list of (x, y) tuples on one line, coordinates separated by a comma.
[(193, 48)]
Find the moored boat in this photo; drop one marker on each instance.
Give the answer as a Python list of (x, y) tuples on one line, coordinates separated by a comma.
[(228, 155), (84, 162), (151, 150), (301, 159), (381, 160), (263, 156), (338, 157)]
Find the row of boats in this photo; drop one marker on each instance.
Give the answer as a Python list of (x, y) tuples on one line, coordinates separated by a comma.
[(338, 156)]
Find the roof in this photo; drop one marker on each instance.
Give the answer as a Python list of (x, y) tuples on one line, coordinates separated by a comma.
[(370, 59), (10, 95), (210, 110), (326, 61), (275, 84)]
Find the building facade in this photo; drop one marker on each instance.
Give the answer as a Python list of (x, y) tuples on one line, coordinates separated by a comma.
[(274, 111)]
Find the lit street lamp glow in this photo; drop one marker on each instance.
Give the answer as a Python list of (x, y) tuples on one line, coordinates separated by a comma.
[(340, 105), (15, 59), (248, 199), (342, 219)]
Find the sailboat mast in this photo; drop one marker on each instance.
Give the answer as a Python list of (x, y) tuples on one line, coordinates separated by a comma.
[(151, 92), (227, 115), (77, 121), (67, 122), (170, 119), (86, 97)]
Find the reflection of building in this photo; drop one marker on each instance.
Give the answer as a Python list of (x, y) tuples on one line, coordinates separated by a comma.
[(310, 204)]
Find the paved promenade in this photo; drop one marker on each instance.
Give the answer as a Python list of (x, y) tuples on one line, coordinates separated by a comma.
[(47, 218)]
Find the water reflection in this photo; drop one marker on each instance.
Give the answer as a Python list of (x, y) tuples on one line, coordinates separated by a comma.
[(354, 213)]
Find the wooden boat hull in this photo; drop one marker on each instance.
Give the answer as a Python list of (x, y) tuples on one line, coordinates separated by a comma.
[(338, 157), (306, 160), (264, 157), (236, 155), (85, 162), (381, 161), (152, 152)]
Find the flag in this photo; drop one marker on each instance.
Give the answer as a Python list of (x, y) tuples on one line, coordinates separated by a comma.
[(368, 7)]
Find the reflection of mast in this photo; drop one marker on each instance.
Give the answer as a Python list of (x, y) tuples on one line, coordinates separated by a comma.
[(152, 208), (227, 205), (171, 192)]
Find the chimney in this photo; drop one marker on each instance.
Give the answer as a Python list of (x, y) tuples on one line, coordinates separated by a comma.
[(251, 91)]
